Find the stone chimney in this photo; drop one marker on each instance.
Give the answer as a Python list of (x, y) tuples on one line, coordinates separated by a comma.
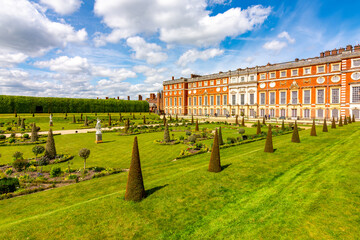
[(327, 53), (349, 48), (140, 98), (357, 48), (322, 54), (334, 52), (128, 97)]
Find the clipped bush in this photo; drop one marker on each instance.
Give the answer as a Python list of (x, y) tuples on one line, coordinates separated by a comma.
[(181, 137), (8, 185), (9, 171), (241, 131), (20, 164), (50, 150), (55, 172), (295, 136), (231, 140), (2, 137), (214, 163), (192, 138), (269, 144), (43, 161), (26, 136), (187, 132)]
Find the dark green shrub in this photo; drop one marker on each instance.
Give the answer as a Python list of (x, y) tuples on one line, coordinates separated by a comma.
[(18, 155), (11, 140), (43, 161), (55, 172), (2, 137), (26, 136), (98, 169), (181, 137), (231, 140), (192, 138), (8, 128), (20, 164), (12, 135), (241, 131), (8, 185), (188, 133)]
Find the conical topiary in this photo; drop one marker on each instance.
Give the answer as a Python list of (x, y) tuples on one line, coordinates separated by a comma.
[(15, 113), (345, 121), (258, 128), (295, 136), (120, 118), (18, 122), (192, 119), (221, 142), (214, 164), (236, 120), (166, 133), (133, 115), (283, 125), (243, 122), (81, 116), (144, 120), (22, 125), (126, 125), (109, 120), (313, 129), (333, 124), (264, 121), (196, 126), (135, 190), (325, 128), (349, 121), (86, 122), (176, 118), (269, 144), (73, 120), (50, 150), (164, 120), (353, 118), (34, 134), (340, 122)]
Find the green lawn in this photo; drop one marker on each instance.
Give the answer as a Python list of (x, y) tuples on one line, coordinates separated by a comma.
[(308, 190)]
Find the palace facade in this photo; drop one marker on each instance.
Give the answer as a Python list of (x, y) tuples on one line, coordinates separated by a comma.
[(321, 87)]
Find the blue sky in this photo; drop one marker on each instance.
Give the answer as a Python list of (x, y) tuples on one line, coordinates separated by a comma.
[(99, 48)]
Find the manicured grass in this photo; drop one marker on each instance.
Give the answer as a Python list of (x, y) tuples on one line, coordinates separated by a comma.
[(307, 190)]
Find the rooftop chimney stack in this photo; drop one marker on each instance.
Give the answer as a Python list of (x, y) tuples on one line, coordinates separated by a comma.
[(128, 97), (357, 48), (327, 53), (118, 98), (172, 78), (322, 54), (349, 48), (341, 50), (106, 97), (140, 98), (334, 52)]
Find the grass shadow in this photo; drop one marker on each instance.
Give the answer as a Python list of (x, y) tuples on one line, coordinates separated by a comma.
[(154, 189), (275, 149), (108, 141), (225, 166)]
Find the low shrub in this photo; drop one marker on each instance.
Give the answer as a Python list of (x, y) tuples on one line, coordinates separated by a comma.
[(98, 169), (231, 140), (192, 138), (11, 140), (8, 185), (20, 164), (181, 137), (2, 137), (42, 161), (31, 168), (55, 172), (26, 136), (12, 135), (73, 176), (9, 171), (187, 132)]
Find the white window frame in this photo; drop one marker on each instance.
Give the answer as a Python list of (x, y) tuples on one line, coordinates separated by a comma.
[(307, 68), (262, 98), (352, 93), (224, 99), (331, 95), (307, 113), (211, 82), (251, 98), (317, 95), (273, 75), (180, 101), (352, 62), (270, 94), (318, 71), (281, 74), (218, 81), (262, 76), (297, 72), (225, 81), (285, 97), (242, 99), (218, 100), (200, 84), (333, 65), (206, 83), (242, 79), (252, 78), (304, 96), (317, 113), (297, 97)]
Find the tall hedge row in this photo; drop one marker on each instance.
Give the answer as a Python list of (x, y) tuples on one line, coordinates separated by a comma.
[(22, 104)]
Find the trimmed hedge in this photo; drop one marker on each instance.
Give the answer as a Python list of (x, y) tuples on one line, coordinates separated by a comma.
[(23, 104)]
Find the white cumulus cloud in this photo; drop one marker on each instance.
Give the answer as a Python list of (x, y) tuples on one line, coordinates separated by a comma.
[(274, 45), (63, 7), (192, 55), (286, 36), (150, 52)]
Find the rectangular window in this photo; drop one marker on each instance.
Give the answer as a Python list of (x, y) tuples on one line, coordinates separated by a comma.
[(200, 101), (307, 98), (252, 98), (218, 100), (211, 82), (282, 112), (335, 67), (252, 78), (252, 112), (262, 98), (190, 111), (175, 101), (170, 87), (180, 101), (233, 99), (200, 111), (206, 111), (294, 97), (321, 69), (294, 113), (294, 72), (356, 63), (356, 94), (306, 113), (194, 111), (189, 101), (282, 97), (224, 81), (335, 95), (218, 82), (205, 83), (194, 101), (225, 100), (170, 101), (179, 111), (262, 76), (166, 102), (211, 112), (283, 74), (272, 98), (233, 79), (242, 79), (307, 71), (272, 112), (272, 75), (242, 99), (320, 113), (175, 86), (320, 96), (200, 84), (262, 112), (212, 100)]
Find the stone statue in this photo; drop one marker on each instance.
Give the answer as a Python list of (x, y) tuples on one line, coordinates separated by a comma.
[(51, 121), (98, 131)]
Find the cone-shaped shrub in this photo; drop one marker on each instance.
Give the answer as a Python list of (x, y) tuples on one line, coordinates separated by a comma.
[(214, 164), (81, 116), (73, 120), (18, 122), (340, 122), (170, 119), (50, 150), (135, 190), (221, 142), (333, 124), (34, 134), (313, 129), (86, 122), (353, 118), (144, 121), (345, 121), (120, 119), (33, 114), (243, 122), (15, 113), (22, 125), (109, 120), (196, 126), (263, 120), (258, 128), (166, 133), (349, 120), (164, 120), (192, 119), (236, 120), (176, 118), (133, 115), (283, 125), (269, 144), (126, 127), (295, 136), (325, 128)]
